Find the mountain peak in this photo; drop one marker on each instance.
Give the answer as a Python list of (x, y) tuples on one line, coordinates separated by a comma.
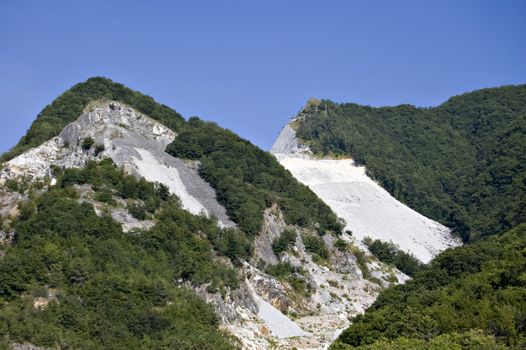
[(68, 106)]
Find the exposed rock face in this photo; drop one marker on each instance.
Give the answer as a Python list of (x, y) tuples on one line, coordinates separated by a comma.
[(233, 307), (367, 208), (117, 212), (291, 318), (134, 141), (273, 225)]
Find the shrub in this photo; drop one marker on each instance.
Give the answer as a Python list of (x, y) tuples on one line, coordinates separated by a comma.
[(361, 260), (284, 271), (315, 245), (98, 149), (87, 143), (390, 254), (284, 241), (281, 270), (137, 211), (104, 196), (341, 245)]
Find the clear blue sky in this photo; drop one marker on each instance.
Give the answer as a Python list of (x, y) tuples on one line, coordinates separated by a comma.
[(250, 65)]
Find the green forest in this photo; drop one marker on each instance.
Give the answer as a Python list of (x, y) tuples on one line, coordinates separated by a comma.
[(110, 289), (114, 290), (462, 163), (467, 297)]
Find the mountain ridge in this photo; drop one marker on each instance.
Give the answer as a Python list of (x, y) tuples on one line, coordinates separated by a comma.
[(440, 160)]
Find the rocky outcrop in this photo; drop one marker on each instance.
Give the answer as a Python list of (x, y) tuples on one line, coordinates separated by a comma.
[(304, 319), (232, 306), (26, 346), (134, 141), (273, 225)]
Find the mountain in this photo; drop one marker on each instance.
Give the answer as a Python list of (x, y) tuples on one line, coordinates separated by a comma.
[(126, 226), (462, 163), (368, 209)]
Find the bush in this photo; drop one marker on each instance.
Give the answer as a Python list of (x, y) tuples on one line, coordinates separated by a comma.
[(98, 149), (104, 196), (341, 245), (137, 211), (285, 240), (315, 245), (281, 270), (284, 271), (233, 244), (390, 254), (87, 143), (361, 260)]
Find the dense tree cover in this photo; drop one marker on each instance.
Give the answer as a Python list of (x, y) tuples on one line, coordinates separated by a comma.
[(471, 340), (68, 107), (389, 253), (481, 286), (462, 163), (113, 290), (248, 180)]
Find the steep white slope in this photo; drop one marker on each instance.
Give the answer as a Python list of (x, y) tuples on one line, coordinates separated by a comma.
[(134, 141), (366, 207), (280, 325), (149, 167)]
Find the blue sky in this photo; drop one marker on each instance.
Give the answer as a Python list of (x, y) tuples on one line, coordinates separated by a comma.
[(251, 65)]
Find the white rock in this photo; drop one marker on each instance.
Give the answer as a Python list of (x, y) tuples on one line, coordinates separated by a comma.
[(280, 325)]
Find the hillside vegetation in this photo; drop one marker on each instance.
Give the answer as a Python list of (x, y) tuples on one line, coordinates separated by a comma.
[(107, 289), (462, 163), (469, 297)]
